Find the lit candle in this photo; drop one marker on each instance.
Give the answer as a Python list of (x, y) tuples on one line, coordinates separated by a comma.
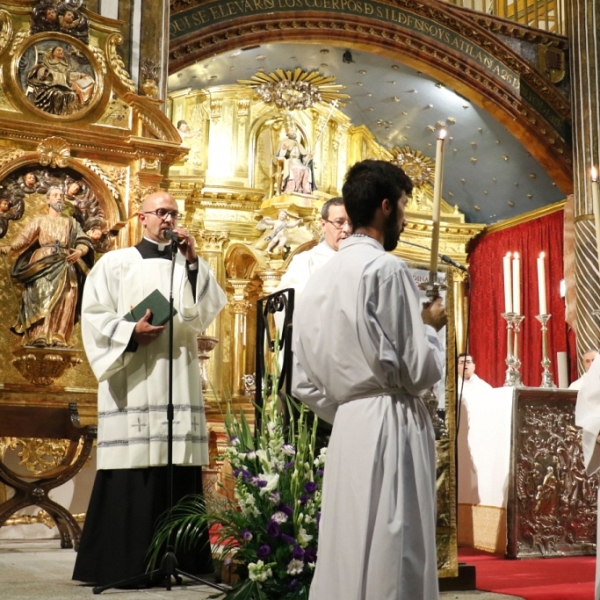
[(541, 272), (507, 284), (437, 201), (516, 283), (596, 208)]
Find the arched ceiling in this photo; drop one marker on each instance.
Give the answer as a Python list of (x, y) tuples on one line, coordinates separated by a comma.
[(488, 173)]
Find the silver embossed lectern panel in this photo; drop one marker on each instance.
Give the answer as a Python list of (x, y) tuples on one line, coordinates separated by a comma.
[(552, 504)]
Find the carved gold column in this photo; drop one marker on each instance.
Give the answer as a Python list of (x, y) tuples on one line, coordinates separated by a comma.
[(584, 20), (461, 308), (239, 307), (212, 246)]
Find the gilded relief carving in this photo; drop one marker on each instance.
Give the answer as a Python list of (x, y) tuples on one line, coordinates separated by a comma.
[(50, 15), (554, 500), (6, 30)]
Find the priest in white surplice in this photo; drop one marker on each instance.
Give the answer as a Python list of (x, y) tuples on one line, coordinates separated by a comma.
[(587, 416), (130, 361), (335, 227), (470, 385), (362, 354)]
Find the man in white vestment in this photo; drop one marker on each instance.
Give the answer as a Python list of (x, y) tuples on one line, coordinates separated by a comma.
[(336, 227), (588, 359), (468, 383), (131, 362), (364, 349), (587, 416)]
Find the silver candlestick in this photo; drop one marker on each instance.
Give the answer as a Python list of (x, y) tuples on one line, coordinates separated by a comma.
[(546, 362), (513, 374)]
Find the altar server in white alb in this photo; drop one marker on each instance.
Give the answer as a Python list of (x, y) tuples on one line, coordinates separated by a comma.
[(363, 350), (587, 416), (131, 362), (335, 227)]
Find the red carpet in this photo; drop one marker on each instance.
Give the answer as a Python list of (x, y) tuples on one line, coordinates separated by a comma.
[(533, 579)]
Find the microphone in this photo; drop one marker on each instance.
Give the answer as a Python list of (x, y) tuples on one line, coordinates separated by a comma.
[(442, 257), (174, 237)]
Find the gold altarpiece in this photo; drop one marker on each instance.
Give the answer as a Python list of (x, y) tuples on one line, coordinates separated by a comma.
[(228, 183), (70, 121)]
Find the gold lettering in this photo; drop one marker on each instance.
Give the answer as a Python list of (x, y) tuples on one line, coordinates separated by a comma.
[(214, 12), (368, 9)]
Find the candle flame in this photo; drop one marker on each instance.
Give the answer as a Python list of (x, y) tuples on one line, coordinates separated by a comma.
[(542, 255), (508, 255), (594, 174), (442, 134), (516, 255)]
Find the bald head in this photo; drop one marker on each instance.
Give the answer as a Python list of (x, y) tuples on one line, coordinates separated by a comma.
[(158, 213)]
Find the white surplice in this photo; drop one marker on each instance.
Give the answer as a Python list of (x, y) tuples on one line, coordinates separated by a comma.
[(133, 386), (361, 356), (587, 416), (303, 265)]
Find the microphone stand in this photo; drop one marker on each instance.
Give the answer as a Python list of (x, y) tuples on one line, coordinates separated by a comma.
[(168, 564)]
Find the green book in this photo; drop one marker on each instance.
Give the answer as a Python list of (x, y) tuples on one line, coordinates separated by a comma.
[(158, 305)]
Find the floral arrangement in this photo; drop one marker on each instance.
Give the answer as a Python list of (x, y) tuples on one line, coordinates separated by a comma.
[(270, 531)]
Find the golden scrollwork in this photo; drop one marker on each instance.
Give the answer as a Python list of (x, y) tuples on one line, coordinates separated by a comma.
[(6, 30), (42, 366), (41, 517), (10, 155), (20, 37), (54, 152), (107, 179), (116, 114), (416, 165), (99, 56), (38, 455), (116, 62), (213, 241)]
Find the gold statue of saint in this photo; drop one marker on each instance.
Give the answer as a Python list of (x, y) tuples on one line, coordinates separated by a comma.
[(294, 164), (51, 269)]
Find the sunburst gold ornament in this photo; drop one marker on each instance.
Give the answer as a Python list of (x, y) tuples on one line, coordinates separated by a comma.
[(295, 90), (417, 166)]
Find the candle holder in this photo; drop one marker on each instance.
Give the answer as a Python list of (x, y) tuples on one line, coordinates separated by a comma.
[(546, 362), (513, 328), (433, 287)]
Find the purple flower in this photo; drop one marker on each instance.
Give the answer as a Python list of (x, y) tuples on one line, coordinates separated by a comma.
[(288, 538), (285, 508), (319, 471), (246, 535), (304, 499), (263, 551), (274, 497), (310, 487), (261, 483), (293, 584), (244, 474), (273, 529), (298, 553), (310, 555), (289, 465)]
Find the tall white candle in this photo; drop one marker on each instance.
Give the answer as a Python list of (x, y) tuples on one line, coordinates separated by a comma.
[(437, 201), (563, 370), (516, 281), (507, 284), (541, 273), (596, 208)]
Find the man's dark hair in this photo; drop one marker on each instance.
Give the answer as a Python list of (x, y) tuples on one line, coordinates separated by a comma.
[(368, 183), (338, 201)]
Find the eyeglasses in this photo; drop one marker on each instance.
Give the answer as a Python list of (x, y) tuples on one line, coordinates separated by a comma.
[(162, 213), (465, 362), (338, 223)]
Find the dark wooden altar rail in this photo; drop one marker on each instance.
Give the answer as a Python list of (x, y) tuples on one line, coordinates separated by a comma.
[(20, 421)]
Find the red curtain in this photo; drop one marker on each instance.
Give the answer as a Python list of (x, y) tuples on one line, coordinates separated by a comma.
[(488, 328)]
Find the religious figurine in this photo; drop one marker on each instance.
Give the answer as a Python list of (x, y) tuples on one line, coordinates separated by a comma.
[(12, 207), (51, 269), (278, 237), (55, 86), (294, 162), (60, 16)]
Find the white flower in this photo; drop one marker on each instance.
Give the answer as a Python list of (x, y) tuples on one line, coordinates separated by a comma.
[(279, 517), (295, 566), (234, 441), (251, 454), (271, 426), (308, 519), (288, 449), (303, 537), (258, 571), (271, 479)]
